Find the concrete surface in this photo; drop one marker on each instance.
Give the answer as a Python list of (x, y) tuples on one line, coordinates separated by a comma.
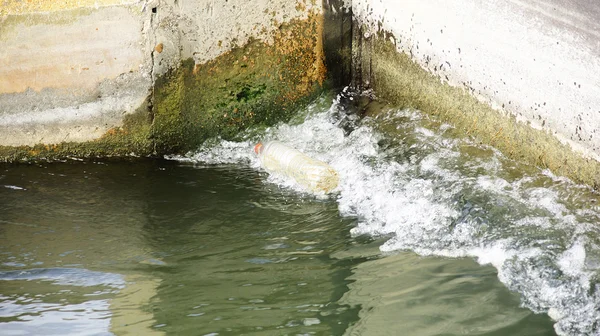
[(71, 70), (70, 75), (536, 60), (209, 28)]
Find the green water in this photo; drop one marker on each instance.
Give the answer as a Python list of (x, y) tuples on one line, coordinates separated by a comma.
[(425, 235), (215, 249)]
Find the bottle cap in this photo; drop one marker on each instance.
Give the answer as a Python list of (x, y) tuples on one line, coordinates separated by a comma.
[(258, 148)]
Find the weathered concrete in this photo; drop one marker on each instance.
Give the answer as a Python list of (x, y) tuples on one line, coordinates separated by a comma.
[(258, 83), (70, 75), (72, 72), (535, 63)]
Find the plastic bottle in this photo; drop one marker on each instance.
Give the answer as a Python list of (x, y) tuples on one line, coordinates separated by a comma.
[(313, 175)]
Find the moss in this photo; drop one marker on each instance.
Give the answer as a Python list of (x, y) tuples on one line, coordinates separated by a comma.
[(249, 85), (395, 77), (254, 84), (131, 138)]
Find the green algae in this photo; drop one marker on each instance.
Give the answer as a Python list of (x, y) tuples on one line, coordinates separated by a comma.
[(254, 84), (131, 139), (396, 78)]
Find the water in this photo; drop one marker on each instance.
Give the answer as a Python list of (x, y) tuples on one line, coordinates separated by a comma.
[(426, 235)]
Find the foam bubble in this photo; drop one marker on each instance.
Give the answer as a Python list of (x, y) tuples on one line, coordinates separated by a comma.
[(572, 261), (436, 195), (13, 187)]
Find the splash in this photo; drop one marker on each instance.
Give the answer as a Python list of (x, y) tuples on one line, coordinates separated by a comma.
[(404, 176)]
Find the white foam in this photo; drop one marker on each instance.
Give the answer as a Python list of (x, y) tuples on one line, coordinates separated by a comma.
[(13, 187), (572, 261), (433, 199), (495, 254), (219, 152)]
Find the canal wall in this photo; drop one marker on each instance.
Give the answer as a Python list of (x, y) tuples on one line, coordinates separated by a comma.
[(119, 77), (523, 76), (149, 77)]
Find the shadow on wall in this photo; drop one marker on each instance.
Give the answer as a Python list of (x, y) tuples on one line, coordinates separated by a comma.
[(337, 42)]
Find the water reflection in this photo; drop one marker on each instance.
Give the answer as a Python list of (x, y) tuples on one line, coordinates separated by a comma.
[(72, 247), (405, 294), (210, 245), (245, 257), (153, 247)]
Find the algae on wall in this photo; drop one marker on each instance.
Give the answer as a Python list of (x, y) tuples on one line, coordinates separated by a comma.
[(257, 83), (395, 77), (253, 84)]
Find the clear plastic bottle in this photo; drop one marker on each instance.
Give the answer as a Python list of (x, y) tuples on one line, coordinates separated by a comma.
[(313, 175)]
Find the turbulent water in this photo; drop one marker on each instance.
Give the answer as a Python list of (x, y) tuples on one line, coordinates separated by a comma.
[(408, 180), (426, 234)]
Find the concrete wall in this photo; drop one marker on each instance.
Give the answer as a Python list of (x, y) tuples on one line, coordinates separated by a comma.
[(535, 61), (70, 74), (75, 71), (70, 71)]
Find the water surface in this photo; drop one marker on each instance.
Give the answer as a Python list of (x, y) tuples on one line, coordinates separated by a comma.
[(427, 234)]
